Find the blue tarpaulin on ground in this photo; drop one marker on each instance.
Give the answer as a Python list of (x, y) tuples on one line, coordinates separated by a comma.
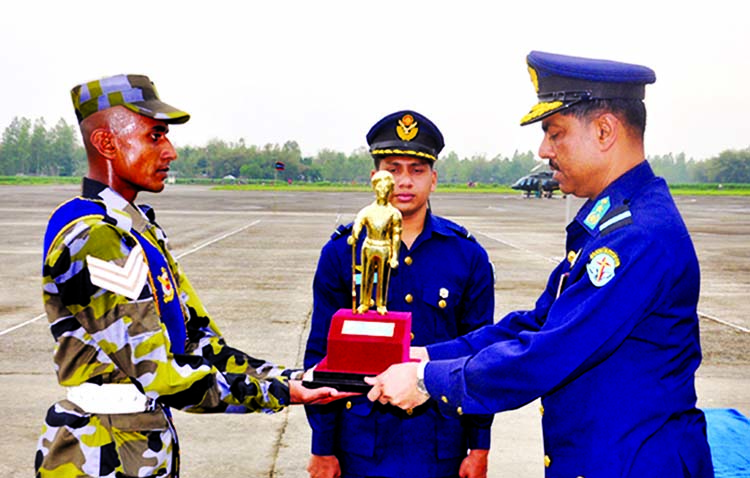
[(729, 438)]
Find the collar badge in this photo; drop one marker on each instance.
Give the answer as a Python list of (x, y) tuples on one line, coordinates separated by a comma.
[(597, 212)]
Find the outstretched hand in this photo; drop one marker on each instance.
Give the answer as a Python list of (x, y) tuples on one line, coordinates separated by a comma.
[(298, 393)]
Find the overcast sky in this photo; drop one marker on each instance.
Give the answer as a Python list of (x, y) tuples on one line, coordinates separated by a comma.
[(322, 72)]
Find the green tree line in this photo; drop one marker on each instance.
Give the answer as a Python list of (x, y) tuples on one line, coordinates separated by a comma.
[(32, 148)]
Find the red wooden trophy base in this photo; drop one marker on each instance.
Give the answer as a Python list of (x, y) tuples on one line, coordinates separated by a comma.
[(361, 345)]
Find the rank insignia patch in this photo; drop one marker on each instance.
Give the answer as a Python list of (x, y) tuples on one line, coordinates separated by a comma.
[(597, 212), (407, 128), (127, 280), (602, 265)]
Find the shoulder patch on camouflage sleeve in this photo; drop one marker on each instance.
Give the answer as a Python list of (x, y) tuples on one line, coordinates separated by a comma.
[(127, 280)]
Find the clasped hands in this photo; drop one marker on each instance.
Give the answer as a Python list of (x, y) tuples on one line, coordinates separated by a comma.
[(298, 393), (398, 384)]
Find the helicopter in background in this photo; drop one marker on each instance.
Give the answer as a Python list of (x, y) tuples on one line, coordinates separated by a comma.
[(539, 183)]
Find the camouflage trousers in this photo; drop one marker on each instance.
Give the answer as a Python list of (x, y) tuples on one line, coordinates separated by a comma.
[(77, 444)]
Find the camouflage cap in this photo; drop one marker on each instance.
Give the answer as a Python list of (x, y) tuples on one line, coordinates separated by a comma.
[(135, 92)]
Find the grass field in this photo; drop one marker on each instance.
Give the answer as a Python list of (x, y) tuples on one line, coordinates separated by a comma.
[(697, 189)]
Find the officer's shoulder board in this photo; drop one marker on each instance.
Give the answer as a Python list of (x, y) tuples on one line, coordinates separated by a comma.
[(460, 230), (615, 219), (343, 230)]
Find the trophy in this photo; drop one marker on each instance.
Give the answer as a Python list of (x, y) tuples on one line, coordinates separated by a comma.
[(361, 341)]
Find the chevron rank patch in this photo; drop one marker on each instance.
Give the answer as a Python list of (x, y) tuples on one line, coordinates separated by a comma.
[(602, 265), (127, 280)]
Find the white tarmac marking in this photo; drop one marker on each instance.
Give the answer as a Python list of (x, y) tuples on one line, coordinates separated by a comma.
[(180, 256), (556, 260), (724, 322), (218, 238), (553, 260), (22, 324), (22, 224)]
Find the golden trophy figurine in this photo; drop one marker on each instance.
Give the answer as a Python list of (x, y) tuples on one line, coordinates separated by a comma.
[(364, 342), (380, 248)]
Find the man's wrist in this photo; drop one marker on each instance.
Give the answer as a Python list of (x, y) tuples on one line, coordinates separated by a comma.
[(420, 377)]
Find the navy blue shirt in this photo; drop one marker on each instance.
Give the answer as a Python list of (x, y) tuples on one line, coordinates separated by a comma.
[(446, 281), (611, 346)]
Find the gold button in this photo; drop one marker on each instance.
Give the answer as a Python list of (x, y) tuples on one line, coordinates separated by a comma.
[(348, 405), (412, 335), (572, 258), (444, 399), (409, 411), (541, 410), (408, 298), (408, 260), (547, 461), (442, 304), (460, 411)]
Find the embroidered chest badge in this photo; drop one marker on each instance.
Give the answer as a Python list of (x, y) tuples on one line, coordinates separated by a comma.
[(597, 212), (166, 285), (602, 265), (407, 128)]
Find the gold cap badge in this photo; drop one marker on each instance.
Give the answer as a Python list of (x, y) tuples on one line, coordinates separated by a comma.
[(407, 128)]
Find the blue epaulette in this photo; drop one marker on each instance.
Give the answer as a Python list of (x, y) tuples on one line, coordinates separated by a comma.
[(149, 212), (67, 212), (460, 230), (615, 219), (342, 231)]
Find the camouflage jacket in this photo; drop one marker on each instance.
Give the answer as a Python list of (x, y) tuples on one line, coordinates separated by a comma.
[(109, 333)]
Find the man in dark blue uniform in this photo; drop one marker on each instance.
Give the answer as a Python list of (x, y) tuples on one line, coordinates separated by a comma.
[(612, 344), (444, 278)]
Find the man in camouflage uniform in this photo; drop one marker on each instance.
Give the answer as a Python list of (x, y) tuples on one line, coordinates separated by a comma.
[(133, 339)]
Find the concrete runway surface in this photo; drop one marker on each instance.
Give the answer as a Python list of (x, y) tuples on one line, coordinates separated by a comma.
[(251, 257)]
